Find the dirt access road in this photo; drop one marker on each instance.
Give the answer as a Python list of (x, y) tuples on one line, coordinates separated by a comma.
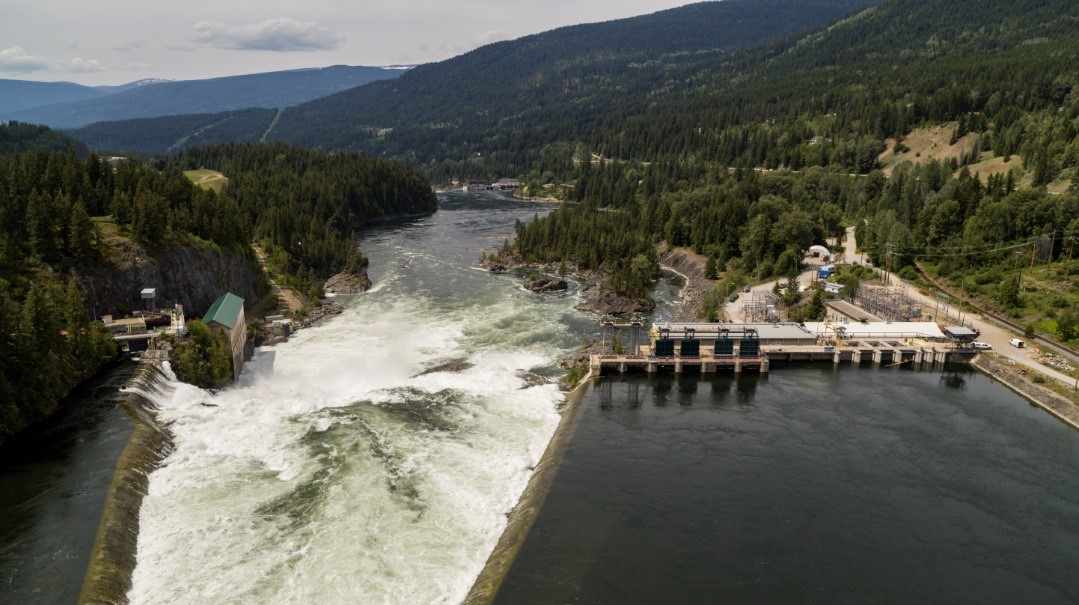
[(287, 299)]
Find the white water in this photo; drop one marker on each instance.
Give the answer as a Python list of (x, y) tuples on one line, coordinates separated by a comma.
[(332, 473)]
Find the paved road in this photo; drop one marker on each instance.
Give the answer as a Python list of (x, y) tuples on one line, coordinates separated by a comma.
[(994, 335), (990, 333)]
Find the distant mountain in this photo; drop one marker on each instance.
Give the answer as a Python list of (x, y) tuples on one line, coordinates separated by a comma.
[(450, 108), (580, 69), (163, 135), (18, 95), (267, 90), (135, 84)]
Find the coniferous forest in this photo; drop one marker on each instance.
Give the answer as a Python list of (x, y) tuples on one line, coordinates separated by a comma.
[(58, 212)]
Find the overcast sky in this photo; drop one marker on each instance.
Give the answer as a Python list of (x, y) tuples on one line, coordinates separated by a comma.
[(116, 41)]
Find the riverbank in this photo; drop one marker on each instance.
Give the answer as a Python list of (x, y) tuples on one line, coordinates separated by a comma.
[(690, 267), (1019, 381), (113, 556)]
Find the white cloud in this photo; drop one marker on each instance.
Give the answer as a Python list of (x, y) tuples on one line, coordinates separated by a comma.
[(17, 61), (78, 65), (280, 35)]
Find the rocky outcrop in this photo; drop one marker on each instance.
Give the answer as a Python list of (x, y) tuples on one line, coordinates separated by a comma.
[(326, 308), (193, 277), (612, 303), (452, 367), (546, 284), (348, 282), (532, 379)]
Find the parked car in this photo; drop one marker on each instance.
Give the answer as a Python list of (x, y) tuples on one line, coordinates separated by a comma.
[(1015, 342), (983, 346), (746, 289)]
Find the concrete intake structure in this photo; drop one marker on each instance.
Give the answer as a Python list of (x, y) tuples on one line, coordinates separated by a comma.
[(708, 348)]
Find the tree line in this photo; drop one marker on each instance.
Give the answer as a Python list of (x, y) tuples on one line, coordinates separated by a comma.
[(305, 206)]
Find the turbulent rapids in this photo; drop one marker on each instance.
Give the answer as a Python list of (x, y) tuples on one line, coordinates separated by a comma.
[(336, 470)]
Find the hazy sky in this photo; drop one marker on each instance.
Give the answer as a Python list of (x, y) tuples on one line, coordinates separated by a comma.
[(116, 41)]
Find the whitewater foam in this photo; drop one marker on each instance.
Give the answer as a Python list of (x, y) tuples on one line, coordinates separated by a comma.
[(333, 473)]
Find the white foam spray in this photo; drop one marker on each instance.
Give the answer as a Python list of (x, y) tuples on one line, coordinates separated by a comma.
[(334, 473)]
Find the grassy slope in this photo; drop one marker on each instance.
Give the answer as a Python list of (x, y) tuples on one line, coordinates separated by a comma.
[(207, 179)]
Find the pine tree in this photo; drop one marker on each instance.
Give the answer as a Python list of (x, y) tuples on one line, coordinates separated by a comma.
[(81, 234)]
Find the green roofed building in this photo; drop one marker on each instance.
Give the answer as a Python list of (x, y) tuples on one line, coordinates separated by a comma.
[(226, 316)]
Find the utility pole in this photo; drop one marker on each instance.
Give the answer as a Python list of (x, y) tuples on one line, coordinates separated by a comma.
[(1067, 267), (887, 261)]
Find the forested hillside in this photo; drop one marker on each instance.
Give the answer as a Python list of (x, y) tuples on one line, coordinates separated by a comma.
[(16, 137), (1001, 75), (16, 95), (507, 100), (542, 87), (305, 206), (170, 134), (62, 218)]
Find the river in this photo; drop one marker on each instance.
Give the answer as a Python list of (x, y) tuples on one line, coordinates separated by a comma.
[(335, 471)]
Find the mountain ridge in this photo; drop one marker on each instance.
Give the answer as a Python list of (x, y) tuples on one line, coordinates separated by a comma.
[(211, 95)]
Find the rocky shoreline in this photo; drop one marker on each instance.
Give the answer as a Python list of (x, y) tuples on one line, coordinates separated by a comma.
[(1019, 380), (599, 300), (690, 266)]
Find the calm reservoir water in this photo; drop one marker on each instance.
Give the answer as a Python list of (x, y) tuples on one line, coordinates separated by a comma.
[(812, 485), (53, 483)]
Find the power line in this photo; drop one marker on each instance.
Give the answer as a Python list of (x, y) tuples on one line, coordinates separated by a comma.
[(967, 251)]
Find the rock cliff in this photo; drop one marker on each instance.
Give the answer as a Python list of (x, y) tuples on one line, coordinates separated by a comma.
[(193, 277)]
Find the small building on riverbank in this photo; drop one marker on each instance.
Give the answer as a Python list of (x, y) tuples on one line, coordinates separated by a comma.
[(226, 316)]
